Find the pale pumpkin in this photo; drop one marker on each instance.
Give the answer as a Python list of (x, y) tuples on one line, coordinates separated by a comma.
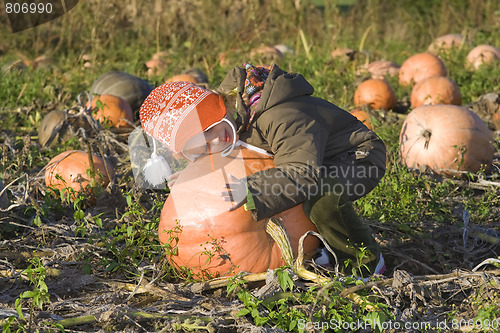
[(132, 89), (363, 116), (380, 69), (60, 125), (182, 77), (482, 54), (436, 90), (70, 169), (446, 42), (419, 67), (375, 93), (209, 239), (446, 139), (112, 111)]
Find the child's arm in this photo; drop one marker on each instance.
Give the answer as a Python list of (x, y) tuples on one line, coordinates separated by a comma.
[(298, 143)]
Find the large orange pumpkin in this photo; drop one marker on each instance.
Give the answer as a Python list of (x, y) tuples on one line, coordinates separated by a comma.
[(375, 93), (446, 139), (112, 110), (70, 170), (212, 241), (419, 67), (436, 90)]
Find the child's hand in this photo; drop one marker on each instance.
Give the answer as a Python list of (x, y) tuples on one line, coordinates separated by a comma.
[(236, 192), (172, 178)]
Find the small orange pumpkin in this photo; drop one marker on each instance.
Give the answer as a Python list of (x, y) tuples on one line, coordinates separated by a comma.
[(111, 110), (482, 54), (375, 93), (70, 170), (419, 67), (446, 139), (209, 239), (436, 90), (362, 116)]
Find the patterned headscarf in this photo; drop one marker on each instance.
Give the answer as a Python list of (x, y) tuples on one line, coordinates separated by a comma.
[(176, 111), (254, 83)]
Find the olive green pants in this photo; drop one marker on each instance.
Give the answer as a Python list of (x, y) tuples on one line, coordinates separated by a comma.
[(331, 211)]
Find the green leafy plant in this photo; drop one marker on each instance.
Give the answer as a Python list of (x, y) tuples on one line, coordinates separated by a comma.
[(36, 274)]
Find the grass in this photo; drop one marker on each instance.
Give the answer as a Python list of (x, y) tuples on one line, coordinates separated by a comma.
[(122, 35)]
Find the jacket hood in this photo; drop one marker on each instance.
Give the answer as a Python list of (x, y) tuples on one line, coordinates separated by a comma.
[(279, 87)]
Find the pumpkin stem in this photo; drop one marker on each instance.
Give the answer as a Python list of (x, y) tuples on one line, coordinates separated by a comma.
[(427, 136), (279, 234), (276, 230)]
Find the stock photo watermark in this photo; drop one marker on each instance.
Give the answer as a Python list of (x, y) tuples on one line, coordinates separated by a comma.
[(24, 14)]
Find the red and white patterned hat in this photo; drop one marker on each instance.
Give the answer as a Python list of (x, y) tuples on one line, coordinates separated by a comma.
[(176, 111)]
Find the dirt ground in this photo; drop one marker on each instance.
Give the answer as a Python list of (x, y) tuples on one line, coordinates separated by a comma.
[(428, 276), (434, 271)]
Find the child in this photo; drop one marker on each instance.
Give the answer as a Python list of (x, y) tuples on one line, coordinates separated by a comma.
[(325, 158)]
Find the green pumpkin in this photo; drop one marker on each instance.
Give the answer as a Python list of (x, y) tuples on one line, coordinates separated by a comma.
[(131, 88), (60, 125)]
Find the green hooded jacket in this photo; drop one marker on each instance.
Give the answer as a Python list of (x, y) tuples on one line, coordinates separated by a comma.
[(303, 132)]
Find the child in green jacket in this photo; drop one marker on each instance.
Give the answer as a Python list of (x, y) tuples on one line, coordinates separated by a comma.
[(325, 158)]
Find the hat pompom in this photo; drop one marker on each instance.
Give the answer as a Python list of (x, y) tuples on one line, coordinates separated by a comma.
[(156, 170)]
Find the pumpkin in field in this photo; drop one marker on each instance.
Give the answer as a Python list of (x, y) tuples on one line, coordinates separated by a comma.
[(421, 66), (446, 139), (363, 116), (193, 75), (380, 69), (213, 241), (375, 93), (446, 42), (61, 125), (111, 110), (436, 90), (482, 54), (70, 169), (132, 89), (182, 77)]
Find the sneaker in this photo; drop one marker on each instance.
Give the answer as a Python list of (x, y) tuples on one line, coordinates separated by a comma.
[(322, 259), (379, 269)]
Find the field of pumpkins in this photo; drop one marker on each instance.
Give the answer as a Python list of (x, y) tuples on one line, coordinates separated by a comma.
[(87, 246)]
